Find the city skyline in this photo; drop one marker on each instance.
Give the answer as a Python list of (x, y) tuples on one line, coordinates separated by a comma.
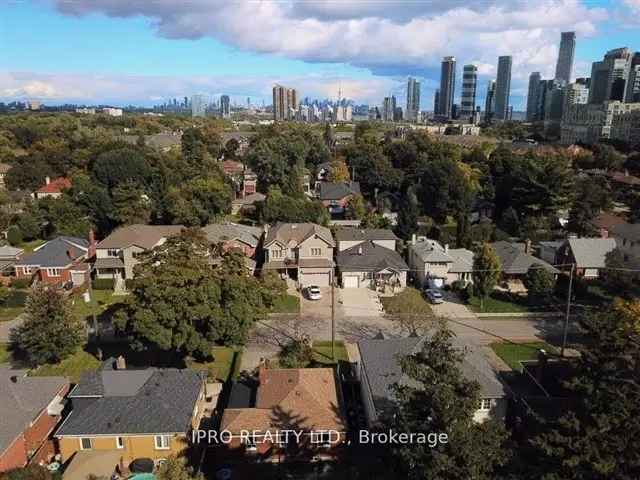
[(146, 75)]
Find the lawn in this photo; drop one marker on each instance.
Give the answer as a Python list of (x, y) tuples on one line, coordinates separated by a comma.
[(100, 301), (322, 353), (9, 313), (5, 355), (408, 302), (513, 353), (14, 305), (498, 303), (225, 363), (71, 367), (286, 304)]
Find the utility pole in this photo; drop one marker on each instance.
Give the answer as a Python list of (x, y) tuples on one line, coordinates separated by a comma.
[(333, 319), (566, 318)]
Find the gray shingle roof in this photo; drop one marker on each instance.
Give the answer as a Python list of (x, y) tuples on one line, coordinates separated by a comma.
[(591, 252), (515, 261), (144, 236), (431, 251), (297, 233), (369, 257), (630, 231), (59, 252), (338, 191), (23, 400), (163, 403), (220, 232), (346, 234), (380, 359)]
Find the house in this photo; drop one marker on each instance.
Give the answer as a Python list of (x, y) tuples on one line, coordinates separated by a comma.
[(247, 204), (58, 261), (548, 250), (233, 236), (379, 368), (627, 236), (304, 400), (4, 168), (30, 409), (435, 265), (516, 259), (8, 257), (587, 254), (302, 252), (245, 181), (116, 254), (371, 265), (52, 188), (137, 413), (336, 196), (350, 237), (605, 222)]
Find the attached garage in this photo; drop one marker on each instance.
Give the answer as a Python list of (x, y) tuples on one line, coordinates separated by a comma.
[(306, 278), (350, 281)]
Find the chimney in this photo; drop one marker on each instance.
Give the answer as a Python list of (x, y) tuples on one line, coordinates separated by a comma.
[(359, 250), (446, 248), (413, 239), (527, 246), (47, 180), (121, 364), (262, 373)]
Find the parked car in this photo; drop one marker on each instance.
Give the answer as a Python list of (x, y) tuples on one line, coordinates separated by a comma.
[(434, 296), (313, 292)]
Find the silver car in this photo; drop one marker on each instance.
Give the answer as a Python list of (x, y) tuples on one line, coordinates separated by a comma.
[(313, 292), (434, 296)]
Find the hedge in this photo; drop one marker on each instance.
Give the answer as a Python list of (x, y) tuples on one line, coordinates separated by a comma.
[(20, 282), (103, 284), (17, 298)]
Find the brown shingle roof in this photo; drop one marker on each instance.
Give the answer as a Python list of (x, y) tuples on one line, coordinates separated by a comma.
[(144, 236), (304, 398), (297, 233)]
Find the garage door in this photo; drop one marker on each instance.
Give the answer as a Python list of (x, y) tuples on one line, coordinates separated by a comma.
[(319, 279), (350, 282)]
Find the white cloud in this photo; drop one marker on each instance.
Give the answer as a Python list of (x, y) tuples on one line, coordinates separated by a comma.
[(122, 89)]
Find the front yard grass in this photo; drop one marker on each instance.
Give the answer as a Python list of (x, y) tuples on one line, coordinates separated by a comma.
[(499, 303), (225, 363), (71, 367), (409, 301), (322, 353), (513, 353), (14, 305), (100, 301), (286, 304)]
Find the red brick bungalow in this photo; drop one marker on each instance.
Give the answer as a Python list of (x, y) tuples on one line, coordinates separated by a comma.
[(30, 408), (58, 261), (53, 188)]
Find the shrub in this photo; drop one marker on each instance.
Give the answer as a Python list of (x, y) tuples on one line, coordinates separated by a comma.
[(468, 292), (30, 472), (103, 284), (14, 235), (16, 298), (458, 285), (296, 354), (20, 283)]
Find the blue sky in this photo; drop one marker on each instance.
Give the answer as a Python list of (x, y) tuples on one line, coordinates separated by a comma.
[(135, 51)]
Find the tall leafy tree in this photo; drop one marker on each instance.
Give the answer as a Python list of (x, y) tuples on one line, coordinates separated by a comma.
[(199, 201), (486, 272), (114, 167), (438, 398), (540, 284), (408, 216), (599, 438), (51, 331), (130, 204), (592, 196)]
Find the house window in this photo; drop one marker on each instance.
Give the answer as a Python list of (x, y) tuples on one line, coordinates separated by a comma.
[(53, 272), (316, 252), (112, 252), (485, 404), (27, 270), (85, 444), (119, 442), (163, 442)]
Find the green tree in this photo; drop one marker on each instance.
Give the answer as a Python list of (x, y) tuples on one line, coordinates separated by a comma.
[(231, 149), (283, 208), (30, 223), (618, 278), (408, 215), (14, 235), (446, 190), (114, 167), (51, 331), (592, 196), (199, 201), (176, 468), (486, 272), (29, 472), (540, 284), (607, 157), (64, 217), (338, 171), (356, 208), (328, 136), (438, 398), (295, 354), (130, 204), (599, 437), (179, 304)]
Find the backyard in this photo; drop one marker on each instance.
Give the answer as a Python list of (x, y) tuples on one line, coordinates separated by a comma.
[(14, 305), (225, 364), (322, 353), (513, 353), (100, 301), (71, 367)]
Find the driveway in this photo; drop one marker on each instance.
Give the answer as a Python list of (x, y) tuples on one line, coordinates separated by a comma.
[(452, 307), (317, 308), (358, 302)]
